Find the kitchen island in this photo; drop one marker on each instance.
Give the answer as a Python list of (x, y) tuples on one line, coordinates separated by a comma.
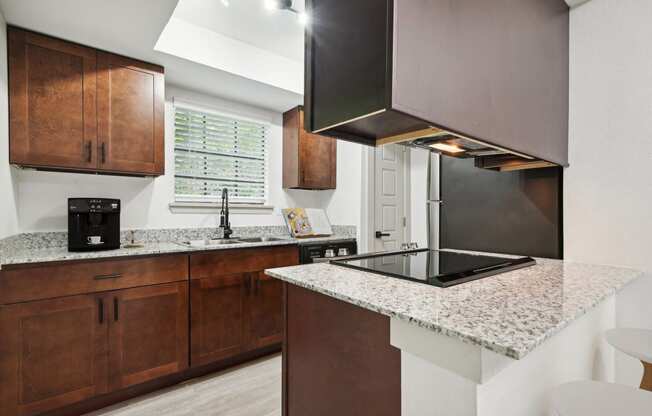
[(363, 343)]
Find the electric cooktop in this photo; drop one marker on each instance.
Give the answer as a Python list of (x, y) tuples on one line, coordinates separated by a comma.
[(434, 267)]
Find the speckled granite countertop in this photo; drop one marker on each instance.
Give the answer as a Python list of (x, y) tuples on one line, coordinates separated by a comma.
[(510, 313), (19, 255)]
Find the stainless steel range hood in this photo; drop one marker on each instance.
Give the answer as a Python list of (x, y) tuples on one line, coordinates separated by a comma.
[(466, 78)]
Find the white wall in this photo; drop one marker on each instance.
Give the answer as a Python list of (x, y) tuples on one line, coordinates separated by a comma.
[(42, 195), (8, 220), (608, 186)]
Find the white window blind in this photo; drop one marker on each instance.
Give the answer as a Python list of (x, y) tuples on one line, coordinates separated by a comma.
[(214, 151)]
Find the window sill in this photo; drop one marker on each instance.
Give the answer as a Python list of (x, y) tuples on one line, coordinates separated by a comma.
[(213, 207)]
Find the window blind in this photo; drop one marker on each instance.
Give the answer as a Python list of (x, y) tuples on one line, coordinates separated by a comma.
[(214, 151)]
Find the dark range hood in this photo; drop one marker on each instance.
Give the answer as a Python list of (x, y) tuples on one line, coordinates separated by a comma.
[(466, 78)]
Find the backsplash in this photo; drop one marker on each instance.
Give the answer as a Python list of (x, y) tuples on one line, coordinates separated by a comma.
[(44, 240)]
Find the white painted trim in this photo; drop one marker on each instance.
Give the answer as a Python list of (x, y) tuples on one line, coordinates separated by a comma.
[(214, 207), (368, 199), (407, 194)]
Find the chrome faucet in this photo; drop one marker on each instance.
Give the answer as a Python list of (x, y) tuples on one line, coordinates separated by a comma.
[(225, 224)]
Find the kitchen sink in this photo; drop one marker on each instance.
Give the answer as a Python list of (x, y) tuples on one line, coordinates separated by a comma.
[(208, 243), (227, 242), (260, 239)]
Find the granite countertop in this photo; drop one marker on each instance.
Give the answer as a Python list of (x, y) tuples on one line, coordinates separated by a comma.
[(26, 255), (510, 313)]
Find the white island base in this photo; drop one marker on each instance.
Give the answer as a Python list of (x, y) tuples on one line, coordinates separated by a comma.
[(443, 376)]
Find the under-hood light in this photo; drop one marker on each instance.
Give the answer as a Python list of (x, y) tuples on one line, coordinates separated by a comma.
[(448, 148)]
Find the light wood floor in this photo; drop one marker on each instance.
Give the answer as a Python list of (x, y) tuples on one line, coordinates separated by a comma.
[(253, 389)]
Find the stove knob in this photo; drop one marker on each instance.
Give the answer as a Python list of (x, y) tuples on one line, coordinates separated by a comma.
[(343, 252), (329, 253)]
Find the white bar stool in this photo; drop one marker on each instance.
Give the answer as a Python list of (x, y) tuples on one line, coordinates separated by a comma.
[(593, 398), (638, 344)]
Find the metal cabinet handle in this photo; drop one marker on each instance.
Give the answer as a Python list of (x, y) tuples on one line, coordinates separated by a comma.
[(247, 283), (103, 151), (380, 234), (115, 309), (89, 152), (257, 288), (107, 276), (100, 310)]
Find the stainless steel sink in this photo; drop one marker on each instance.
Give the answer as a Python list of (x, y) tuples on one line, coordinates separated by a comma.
[(208, 243), (226, 242), (260, 239)]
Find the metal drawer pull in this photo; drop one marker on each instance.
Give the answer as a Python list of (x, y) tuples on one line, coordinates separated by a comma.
[(115, 309), (107, 276), (100, 310)]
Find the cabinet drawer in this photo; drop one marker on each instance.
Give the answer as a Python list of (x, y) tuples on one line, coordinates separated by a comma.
[(44, 282), (246, 260)]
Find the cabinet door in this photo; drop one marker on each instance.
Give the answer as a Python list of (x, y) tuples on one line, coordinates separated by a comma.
[(265, 311), (52, 102), (52, 353), (130, 115), (148, 335), (317, 160), (217, 317)]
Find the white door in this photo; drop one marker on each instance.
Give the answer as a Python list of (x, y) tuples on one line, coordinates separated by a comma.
[(389, 197)]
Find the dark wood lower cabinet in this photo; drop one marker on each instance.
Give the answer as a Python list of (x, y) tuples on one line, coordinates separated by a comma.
[(217, 318), (234, 307), (78, 336), (265, 312), (52, 353), (337, 359), (148, 333)]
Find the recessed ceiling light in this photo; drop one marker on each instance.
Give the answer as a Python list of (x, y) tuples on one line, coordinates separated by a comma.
[(225, 3), (449, 148), (303, 17)]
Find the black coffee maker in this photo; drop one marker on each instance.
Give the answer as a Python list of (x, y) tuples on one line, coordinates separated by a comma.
[(93, 224)]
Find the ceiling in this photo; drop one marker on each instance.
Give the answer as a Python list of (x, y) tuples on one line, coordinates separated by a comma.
[(248, 21), (132, 28)]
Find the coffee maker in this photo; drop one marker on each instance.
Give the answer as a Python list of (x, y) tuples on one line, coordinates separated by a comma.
[(93, 224)]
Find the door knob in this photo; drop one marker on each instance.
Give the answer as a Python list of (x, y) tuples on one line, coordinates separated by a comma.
[(380, 234)]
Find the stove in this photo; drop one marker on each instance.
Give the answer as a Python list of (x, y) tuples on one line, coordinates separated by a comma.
[(434, 267)]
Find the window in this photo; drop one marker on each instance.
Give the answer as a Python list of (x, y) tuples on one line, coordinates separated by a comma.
[(213, 151)]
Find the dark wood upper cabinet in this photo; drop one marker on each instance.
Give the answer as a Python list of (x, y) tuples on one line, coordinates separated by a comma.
[(309, 160), (53, 353), (75, 108), (52, 93), (130, 102), (148, 335), (379, 71)]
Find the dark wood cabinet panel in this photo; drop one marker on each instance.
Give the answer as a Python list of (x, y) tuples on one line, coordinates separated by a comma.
[(53, 353), (235, 308), (309, 160), (21, 284), (52, 96), (350, 346), (75, 108), (130, 96), (265, 312), (217, 317), (148, 333), (247, 260)]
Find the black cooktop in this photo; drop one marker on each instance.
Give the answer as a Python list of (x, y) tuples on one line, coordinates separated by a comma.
[(435, 267)]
